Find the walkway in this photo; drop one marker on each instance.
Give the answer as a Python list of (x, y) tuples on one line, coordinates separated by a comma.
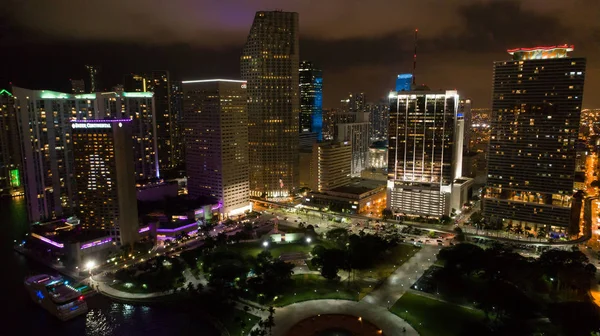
[(286, 317), (402, 278)]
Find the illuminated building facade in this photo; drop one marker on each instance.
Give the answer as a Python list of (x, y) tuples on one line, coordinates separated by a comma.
[(329, 116), (311, 99), (425, 151), (45, 135), (331, 163), (270, 64), (355, 103), (535, 119), (104, 177), (10, 150), (216, 138), (464, 110), (404, 82)]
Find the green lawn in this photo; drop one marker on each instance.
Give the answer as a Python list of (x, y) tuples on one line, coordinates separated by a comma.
[(136, 289), (233, 322), (312, 287), (436, 318), (254, 248), (390, 262)]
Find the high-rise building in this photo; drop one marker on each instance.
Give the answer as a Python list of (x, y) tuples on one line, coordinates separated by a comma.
[(404, 82), (77, 85), (104, 177), (270, 65), (177, 113), (329, 123), (356, 132), (311, 99), (134, 83), (44, 127), (331, 164), (379, 114), (355, 103), (93, 72), (536, 112), (10, 148), (423, 155), (216, 138), (464, 110), (159, 83)]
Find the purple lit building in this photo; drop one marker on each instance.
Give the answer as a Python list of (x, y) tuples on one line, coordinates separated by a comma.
[(104, 178)]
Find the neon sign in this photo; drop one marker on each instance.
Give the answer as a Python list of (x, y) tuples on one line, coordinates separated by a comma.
[(91, 125)]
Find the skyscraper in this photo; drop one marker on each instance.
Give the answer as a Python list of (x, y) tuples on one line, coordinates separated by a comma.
[(44, 127), (355, 103), (10, 147), (216, 138), (464, 109), (159, 82), (269, 64), (94, 80), (331, 164), (379, 114), (357, 133), (311, 99), (134, 83), (404, 82), (104, 177), (423, 157), (535, 120)]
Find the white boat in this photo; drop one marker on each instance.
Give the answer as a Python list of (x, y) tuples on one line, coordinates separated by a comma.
[(55, 295)]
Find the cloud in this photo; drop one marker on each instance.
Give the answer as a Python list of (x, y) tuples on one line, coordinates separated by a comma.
[(226, 22)]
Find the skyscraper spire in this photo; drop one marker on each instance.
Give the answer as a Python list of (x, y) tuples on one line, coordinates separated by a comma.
[(414, 78)]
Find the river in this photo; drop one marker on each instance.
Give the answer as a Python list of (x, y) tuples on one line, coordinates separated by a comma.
[(105, 317)]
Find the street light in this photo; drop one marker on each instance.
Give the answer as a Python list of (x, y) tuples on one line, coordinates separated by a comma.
[(265, 243), (90, 265), (308, 240)]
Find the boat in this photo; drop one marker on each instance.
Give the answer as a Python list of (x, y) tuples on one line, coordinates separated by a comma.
[(55, 295)]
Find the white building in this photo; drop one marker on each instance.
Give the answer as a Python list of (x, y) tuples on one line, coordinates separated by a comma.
[(356, 133)]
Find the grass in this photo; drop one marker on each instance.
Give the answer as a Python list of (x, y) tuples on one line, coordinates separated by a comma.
[(313, 287), (232, 322), (390, 262), (254, 248), (136, 289), (436, 318)]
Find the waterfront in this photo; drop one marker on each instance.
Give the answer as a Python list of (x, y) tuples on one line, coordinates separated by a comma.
[(105, 317)]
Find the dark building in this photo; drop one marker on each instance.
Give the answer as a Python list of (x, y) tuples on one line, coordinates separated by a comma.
[(93, 81), (10, 146), (535, 119), (311, 99), (270, 64), (159, 82), (379, 115)]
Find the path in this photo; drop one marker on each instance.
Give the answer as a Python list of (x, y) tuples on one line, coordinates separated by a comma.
[(286, 317), (402, 278)]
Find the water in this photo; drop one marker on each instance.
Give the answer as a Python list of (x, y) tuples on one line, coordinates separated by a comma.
[(21, 316)]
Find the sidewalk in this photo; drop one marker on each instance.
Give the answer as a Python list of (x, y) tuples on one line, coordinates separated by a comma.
[(402, 278)]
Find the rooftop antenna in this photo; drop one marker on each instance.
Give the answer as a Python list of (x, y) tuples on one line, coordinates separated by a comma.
[(415, 59)]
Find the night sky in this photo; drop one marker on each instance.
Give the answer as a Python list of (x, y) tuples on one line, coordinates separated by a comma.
[(360, 45)]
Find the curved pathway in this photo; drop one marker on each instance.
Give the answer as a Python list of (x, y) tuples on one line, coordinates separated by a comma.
[(286, 317)]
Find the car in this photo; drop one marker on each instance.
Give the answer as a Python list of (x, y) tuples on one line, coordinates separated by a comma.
[(412, 239), (439, 241), (316, 225), (440, 244)]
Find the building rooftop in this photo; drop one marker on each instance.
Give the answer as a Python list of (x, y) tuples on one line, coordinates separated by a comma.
[(359, 187)]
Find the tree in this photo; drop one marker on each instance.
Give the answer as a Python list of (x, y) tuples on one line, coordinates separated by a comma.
[(386, 214), (476, 217), (595, 184), (458, 234), (446, 220), (541, 232), (338, 236), (509, 227)]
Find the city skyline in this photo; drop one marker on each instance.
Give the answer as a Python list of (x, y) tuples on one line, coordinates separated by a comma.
[(455, 50)]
